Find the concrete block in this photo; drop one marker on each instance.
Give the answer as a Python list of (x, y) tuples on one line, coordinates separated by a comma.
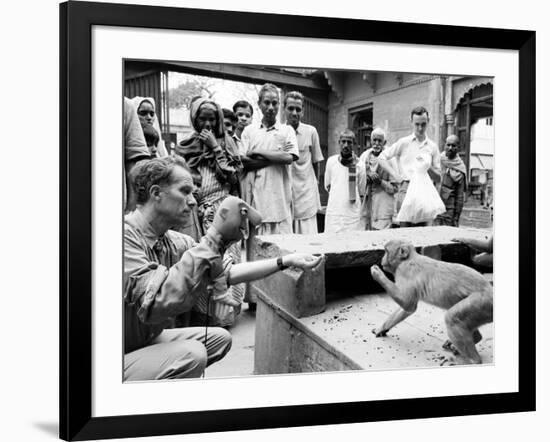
[(302, 293), (364, 248), (304, 318)]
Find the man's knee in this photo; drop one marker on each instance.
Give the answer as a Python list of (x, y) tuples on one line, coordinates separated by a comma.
[(225, 339), (184, 358), (191, 361), (218, 344)]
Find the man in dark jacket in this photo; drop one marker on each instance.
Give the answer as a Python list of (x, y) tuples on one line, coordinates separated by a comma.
[(453, 183)]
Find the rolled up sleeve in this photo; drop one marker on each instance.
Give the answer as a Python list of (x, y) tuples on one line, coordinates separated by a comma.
[(390, 152)]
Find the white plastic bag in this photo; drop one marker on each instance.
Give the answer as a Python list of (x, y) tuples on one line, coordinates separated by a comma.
[(422, 202)]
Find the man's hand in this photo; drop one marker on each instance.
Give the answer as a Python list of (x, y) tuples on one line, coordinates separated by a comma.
[(461, 240), (301, 260), (396, 179), (208, 138), (373, 177)]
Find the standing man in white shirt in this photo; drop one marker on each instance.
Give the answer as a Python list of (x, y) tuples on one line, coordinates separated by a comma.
[(268, 150), (406, 150), (305, 191), (344, 179)]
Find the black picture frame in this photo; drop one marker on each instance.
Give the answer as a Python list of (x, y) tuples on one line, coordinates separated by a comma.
[(76, 21)]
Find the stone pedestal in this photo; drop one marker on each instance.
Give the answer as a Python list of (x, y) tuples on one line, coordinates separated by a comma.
[(287, 300)]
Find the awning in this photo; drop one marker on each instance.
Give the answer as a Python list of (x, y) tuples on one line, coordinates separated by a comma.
[(479, 161)]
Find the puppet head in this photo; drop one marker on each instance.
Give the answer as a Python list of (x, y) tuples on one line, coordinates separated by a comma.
[(232, 218)]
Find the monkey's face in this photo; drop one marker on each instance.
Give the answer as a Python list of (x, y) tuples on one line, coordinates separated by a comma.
[(396, 251)]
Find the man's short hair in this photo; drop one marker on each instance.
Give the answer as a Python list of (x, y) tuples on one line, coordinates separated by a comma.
[(228, 113), (346, 133), (157, 171), (243, 104), (378, 131), (266, 88), (295, 95), (420, 110)]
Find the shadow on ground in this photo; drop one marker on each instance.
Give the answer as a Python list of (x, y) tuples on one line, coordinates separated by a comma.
[(50, 428)]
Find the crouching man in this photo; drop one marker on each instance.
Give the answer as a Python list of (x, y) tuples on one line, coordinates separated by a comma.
[(165, 272)]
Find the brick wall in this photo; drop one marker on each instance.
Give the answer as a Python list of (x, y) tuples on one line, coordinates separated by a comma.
[(391, 106)]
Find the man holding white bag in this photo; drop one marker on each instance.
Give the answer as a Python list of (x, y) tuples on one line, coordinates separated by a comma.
[(417, 158)]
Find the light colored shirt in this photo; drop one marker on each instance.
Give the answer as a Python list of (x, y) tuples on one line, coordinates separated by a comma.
[(163, 277), (406, 149), (337, 177), (305, 193), (271, 186), (238, 143)]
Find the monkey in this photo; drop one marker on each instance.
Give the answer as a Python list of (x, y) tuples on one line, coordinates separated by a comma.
[(464, 293)]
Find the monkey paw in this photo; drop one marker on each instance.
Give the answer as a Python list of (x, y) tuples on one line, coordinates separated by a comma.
[(448, 346), (379, 332), (448, 362), (376, 273)]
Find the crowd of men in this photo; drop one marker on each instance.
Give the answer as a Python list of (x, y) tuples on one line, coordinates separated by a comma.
[(188, 210)]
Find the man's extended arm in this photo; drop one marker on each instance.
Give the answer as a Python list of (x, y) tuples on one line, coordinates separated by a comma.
[(250, 271), (482, 245), (162, 293)]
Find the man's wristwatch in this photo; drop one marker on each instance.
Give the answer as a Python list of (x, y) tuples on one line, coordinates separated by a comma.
[(280, 263)]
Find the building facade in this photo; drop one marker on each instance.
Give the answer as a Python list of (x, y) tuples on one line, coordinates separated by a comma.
[(336, 100)]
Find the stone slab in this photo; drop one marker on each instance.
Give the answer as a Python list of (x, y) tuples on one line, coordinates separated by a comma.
[(364, 248)]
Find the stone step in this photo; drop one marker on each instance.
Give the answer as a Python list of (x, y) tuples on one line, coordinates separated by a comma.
[(347, 260)]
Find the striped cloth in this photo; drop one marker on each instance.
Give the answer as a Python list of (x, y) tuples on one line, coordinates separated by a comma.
[(350, 163), (210, 195)]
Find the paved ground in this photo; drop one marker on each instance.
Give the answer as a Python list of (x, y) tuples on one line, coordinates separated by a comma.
[(475, 215), (347, 323), (240, 359)]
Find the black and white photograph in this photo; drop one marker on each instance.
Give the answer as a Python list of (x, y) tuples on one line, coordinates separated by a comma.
[(272, 220), (284, 220), (243, 221)]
